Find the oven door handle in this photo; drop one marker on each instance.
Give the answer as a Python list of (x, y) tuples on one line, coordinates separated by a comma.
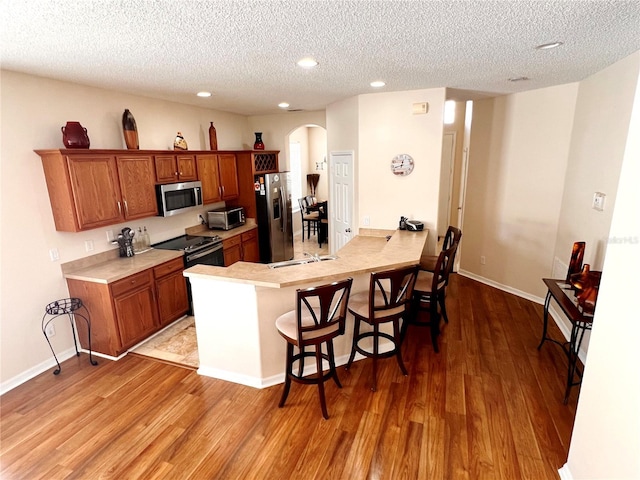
[(200, 254)]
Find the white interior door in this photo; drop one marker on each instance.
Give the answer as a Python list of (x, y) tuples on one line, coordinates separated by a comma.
[(446, 182), (341, 199)]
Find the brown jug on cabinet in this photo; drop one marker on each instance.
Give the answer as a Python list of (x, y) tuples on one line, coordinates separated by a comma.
[(75, 135)]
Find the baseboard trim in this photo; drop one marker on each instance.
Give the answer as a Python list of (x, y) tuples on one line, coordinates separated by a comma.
[(35, 371), (565, 473), (553, 313)]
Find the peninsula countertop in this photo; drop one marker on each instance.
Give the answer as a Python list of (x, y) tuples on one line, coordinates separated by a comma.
[(363, 254)]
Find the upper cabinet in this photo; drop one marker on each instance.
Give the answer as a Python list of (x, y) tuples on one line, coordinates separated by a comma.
[(251, 163), (96, 188), (219, 176), (175, 168), (83, 188), (137, 176)]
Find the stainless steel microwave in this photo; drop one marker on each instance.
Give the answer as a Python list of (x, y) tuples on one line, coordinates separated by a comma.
[(226, 218), (175, 198)]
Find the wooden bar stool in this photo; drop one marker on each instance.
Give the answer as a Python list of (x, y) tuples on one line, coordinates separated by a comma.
[(319, 317), (388, 300)]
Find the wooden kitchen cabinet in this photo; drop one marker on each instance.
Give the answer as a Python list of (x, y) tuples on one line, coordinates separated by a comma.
[(83, 189), (127, 311), (219, 176), (175, 168), (137, 176), (171, 290), (135, 307), (243, 247), (250, 246), (232, 250), (251, 163)]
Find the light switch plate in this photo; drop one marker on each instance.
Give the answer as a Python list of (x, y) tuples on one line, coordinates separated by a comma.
[(598, 201)]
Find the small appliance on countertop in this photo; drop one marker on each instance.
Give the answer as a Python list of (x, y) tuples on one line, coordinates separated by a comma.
[(226, 218), (414, 225)]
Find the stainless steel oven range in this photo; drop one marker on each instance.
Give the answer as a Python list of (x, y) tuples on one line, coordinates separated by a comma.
[(197, 251)]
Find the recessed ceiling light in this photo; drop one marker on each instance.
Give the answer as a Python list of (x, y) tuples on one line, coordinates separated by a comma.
[(283, 105), (548, 46), (307, 62), (377, 84), (204, 94), (518, 79)]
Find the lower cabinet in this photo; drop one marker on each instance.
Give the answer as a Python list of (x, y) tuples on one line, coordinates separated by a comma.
[(243, 247), (171, 290), (127, 311)]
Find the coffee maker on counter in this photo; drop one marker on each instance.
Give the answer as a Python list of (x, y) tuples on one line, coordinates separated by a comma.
[(125, 242)]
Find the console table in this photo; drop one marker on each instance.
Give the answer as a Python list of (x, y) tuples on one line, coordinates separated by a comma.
[(561, 291)]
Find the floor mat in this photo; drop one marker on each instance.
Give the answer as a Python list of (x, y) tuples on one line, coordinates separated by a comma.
[(177, 344)]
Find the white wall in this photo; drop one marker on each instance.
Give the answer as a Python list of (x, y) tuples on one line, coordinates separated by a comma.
[(33, 110), (606, 434), (600, 129), (318, 153), (517, 163)]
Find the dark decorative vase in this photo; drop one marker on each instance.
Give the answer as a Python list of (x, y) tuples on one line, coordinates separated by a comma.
[(130, 130), (75, 135), (213, 137), (258, 145)]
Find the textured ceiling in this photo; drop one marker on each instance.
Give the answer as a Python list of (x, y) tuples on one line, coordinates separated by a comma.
[(245, 52)]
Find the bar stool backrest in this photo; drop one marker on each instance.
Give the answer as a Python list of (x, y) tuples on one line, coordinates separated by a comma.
[(390, 292)]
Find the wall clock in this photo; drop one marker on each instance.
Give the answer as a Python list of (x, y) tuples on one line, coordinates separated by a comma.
[(402, 164)]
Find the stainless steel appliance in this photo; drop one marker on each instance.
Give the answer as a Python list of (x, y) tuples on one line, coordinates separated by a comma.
[(273, 216), (226, 218), (197, 250), (174, 198)]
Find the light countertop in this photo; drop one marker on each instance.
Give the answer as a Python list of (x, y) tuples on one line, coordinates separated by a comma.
[(363, 254), (118, 268)]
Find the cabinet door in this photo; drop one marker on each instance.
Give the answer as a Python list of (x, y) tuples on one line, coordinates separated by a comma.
[(137, 185), (96, 193), (208, 175), (166, 169), (232, 250), (186, 168), (171, 290), (228, 171), (136, 315), (250, 247)]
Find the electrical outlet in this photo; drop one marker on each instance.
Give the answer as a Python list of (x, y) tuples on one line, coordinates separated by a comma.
[(483, 260), (110, 237), (367, 221), (50, 330), (54, 255), (88, 245)]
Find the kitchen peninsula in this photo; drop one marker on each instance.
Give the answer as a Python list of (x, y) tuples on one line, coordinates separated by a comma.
[(236, 307)]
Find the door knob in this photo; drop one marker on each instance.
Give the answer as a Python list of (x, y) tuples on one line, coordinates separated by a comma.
[(348, 230)]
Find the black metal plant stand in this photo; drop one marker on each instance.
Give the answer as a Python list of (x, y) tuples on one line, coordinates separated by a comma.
[(69, 307)]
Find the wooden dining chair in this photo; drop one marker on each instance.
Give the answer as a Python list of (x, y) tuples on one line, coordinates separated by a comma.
[(309, 219), (387, 300), (319, 317), (428, 296)]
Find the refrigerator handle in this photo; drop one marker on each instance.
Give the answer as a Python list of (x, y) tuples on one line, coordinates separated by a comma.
[(283, 208)]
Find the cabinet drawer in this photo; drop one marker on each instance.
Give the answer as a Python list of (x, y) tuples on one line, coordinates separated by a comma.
[(246, 236), (231, 242), (131, 283), (166, 268)]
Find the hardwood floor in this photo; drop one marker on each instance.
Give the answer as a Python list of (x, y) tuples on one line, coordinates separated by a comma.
[(489, 405)]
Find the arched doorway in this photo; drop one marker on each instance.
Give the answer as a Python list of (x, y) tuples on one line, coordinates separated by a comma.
[(307, 160)]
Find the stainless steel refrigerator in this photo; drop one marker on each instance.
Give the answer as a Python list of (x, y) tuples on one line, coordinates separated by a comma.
[(275, 225)]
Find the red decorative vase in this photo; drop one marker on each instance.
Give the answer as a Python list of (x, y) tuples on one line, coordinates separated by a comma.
[(258, 145), (75, 135)]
